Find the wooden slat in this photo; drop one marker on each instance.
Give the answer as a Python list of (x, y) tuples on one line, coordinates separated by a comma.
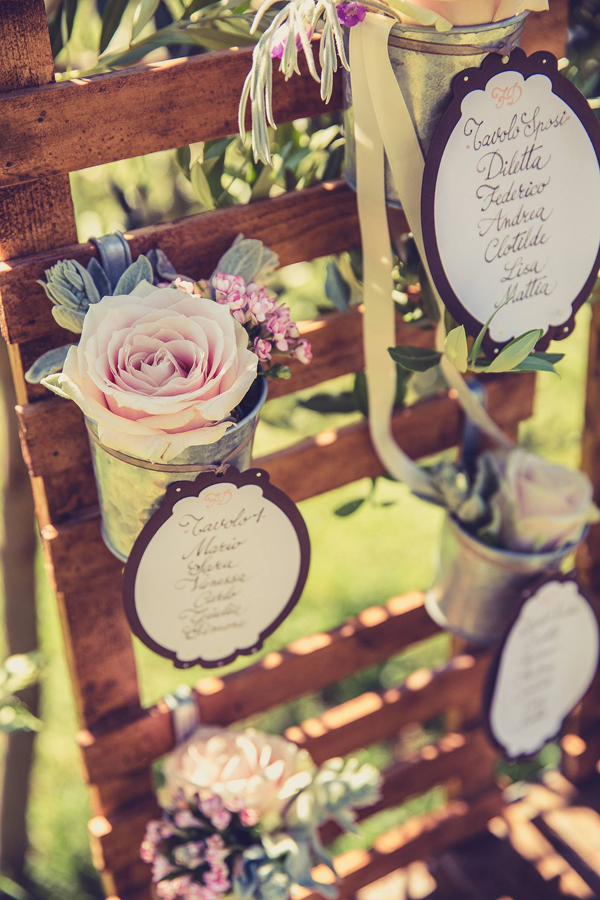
[(116, 838), (162, 105), (300, 225), (72, 125), (133, 744), (338, 350), (310, 467), (449, 758), (39, 216), (308, 664), (420, 838), (378, 716)]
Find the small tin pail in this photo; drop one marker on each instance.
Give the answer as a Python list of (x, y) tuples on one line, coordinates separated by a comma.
[(478, 589), (425, 61), (130, 490)]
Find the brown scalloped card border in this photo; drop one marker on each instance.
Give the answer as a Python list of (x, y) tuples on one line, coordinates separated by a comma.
[(540, 63), (176, 492), (492, 675)]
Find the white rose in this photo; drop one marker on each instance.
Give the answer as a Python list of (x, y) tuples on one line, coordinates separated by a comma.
[(543, 506)]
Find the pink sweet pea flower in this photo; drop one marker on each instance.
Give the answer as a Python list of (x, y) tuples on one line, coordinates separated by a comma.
[(303, 352), (230, 290), (260, 304), (262, 349)]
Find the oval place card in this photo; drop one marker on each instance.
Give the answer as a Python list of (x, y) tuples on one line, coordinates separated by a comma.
[(543, 667), (216, 569), (511, 193)]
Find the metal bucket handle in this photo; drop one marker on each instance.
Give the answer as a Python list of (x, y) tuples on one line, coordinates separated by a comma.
[(115, 255)]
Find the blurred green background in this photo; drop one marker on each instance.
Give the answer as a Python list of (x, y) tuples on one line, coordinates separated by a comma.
[(387, 545)]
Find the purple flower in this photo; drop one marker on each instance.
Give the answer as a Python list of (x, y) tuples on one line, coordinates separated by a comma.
[(351, 13), (280, 40)]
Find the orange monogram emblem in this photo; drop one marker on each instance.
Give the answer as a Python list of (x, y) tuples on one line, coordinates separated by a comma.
[(508, 95)]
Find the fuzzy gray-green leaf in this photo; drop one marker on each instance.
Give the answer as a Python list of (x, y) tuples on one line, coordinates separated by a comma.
[(48, 364), (71, 319), (139, 271)]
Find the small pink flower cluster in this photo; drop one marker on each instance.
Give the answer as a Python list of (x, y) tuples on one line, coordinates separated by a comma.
[(189, 847), (270, 327)]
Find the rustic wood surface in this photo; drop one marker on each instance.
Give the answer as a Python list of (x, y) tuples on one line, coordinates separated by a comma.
[(310, 467), (299, 226), (137, 111), (119, 739)]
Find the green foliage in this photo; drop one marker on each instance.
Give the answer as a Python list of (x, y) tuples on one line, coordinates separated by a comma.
[(415, 359), (49, 363), (17, 673), (249, 259)]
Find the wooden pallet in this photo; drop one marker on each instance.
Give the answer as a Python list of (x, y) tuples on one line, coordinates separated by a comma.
[(545, 845), (53, 129)]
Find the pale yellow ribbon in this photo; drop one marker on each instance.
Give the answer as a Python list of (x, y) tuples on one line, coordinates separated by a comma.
[(382, 119)]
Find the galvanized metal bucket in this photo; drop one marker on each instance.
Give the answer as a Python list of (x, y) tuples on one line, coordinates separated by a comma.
[(130, 490), (478, 589), (425, 61)]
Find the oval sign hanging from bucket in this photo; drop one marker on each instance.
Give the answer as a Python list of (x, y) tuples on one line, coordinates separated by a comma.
[(543, 668), (216, 569), (511, 193)]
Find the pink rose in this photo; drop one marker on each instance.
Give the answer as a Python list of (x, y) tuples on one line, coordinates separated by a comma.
[(250, 765), (543, 507), (158, 371)]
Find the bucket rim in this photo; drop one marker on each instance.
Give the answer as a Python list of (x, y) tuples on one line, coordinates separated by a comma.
[(182, 467), (401, 28), (506, 557)]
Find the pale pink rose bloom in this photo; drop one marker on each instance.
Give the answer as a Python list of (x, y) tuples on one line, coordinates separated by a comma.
[(543, 506), (159, 371), (477, 12), (303, 352), (237, 764)]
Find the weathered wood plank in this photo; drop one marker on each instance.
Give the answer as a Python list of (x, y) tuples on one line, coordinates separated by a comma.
[(310, 467), (308, 664), (117, 838), (162, 105), (420, 838), (377, 716), (299, 226), (39, 216), (450, 758), (60, 128)]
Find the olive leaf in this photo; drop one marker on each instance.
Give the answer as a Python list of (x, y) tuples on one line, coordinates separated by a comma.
[(515, 352), (48, 364), (456, 348), (415, 359)]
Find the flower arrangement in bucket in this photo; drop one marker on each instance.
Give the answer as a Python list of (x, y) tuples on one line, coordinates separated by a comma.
[(512, 517), (170, 373), (241, 813), (481, 25)]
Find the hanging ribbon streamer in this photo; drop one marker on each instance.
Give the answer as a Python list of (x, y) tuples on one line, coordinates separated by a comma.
[(382, 119)]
